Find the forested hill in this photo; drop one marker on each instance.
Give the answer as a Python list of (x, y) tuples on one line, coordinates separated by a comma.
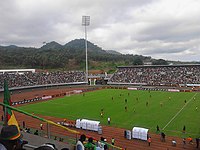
[(70, 56)]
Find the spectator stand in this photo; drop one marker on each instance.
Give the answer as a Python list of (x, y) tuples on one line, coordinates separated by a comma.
[(157, 75), (32, 79)]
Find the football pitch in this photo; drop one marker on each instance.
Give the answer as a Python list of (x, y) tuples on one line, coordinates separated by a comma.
[(128, 109)]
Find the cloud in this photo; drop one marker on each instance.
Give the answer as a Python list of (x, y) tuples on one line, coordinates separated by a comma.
[(168, 29)]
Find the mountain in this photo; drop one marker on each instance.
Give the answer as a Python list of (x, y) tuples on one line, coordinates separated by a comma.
[(12, 46), (113, 52), (70, 56), (79, 44), (52, 45)]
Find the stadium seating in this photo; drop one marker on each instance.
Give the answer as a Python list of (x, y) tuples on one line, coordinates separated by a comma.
[(157, 75), (39, 78)]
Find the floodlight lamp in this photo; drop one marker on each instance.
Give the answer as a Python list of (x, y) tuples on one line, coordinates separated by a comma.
[(85, 20)]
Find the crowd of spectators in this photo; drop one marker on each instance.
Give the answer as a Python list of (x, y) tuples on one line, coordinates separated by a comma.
[(11, 138), (40, 78), (158, 75), (91, 144)]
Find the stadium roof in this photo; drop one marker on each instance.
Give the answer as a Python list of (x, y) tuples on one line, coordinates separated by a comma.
[(147, 66), (17, 70)]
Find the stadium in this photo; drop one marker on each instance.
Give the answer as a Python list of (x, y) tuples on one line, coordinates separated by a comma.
[(159, 99)]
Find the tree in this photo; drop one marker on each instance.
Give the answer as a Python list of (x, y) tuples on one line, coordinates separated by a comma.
[(160, 62), (137, 61)]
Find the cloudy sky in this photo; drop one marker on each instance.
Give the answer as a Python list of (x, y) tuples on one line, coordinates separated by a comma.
[(167, 29)]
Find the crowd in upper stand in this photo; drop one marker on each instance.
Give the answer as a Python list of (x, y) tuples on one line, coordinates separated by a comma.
[(38, 78), (158, 75)]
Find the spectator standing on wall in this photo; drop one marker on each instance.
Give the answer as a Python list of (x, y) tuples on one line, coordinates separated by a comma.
[(105, 146), (23, 124), (79, 144), (36, 132), (41, 126), (113, 141)]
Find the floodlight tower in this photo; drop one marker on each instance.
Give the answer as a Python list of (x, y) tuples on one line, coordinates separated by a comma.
[(86, 22)]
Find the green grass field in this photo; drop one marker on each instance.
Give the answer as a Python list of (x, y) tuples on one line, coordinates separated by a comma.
[(171, 116)]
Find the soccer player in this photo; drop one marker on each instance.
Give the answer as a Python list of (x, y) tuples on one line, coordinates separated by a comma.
[(126, 108), (184, 129), (157, 128), (126, 101)]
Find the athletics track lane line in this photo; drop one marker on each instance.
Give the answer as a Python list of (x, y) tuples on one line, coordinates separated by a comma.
[(179, 112)]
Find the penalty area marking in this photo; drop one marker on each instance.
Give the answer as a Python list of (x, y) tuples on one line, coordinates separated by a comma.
[(179, 111)]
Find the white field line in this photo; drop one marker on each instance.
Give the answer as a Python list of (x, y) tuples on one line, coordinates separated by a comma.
[(179, 112)]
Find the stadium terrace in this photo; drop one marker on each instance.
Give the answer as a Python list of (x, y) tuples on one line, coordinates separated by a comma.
[(170, 75)]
